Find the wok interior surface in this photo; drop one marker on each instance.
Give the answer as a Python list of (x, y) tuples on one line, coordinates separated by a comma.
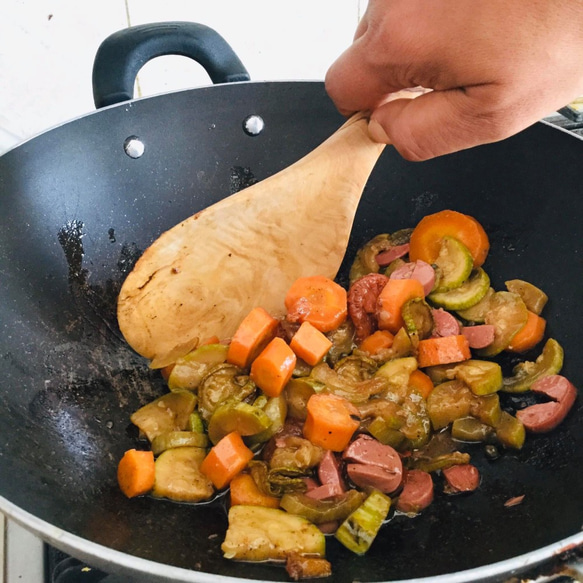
[(76, 213)]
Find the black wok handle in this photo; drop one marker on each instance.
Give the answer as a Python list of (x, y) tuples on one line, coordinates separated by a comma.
[(122, 54)]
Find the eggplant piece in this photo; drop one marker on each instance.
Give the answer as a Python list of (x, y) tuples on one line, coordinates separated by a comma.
[(178, 475), (321, 511), (510, 431), (256, 533), (169, 412), (471, 429)]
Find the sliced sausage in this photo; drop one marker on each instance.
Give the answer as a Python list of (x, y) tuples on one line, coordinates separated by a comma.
[(388, 256), (546, 416), (329, 472), (462, 478), (479, 336), (419, 270), (444, 324), (370, 477), (362, 302), (417, 492), (325, 491), (367, 450)]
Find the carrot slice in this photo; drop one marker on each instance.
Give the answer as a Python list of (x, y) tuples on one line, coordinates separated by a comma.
[(529, 335), (136, 472), (318, 300), (253, 334), (391, 300), (443, 350), (421, 382), (426, 237), (226, 459), (273, 368), (245, 491), (377, 341), (310, 344), (329, 422)]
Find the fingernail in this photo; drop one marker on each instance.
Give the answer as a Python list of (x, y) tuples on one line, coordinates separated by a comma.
[(377, 132)]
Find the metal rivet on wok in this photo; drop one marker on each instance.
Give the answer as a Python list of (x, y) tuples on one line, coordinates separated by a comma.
[(253, 125), (134, 147)]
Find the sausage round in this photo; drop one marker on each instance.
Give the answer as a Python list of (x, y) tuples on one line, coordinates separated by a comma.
[(462, 478), (329, 471), (362, 301), (370, 477), (419, 270), (388, 256), (417, 492), (444, 324), (479, 336), (546, 416)]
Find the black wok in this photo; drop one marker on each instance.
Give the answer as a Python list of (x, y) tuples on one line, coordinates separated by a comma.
[(76, 212)]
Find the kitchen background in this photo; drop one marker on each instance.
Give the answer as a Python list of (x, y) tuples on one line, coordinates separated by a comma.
[(47, 49)]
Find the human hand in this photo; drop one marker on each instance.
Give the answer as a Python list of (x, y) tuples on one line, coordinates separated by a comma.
[(495, 67)]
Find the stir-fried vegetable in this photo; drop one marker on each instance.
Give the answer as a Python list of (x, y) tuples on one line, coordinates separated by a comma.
[(317, 420)]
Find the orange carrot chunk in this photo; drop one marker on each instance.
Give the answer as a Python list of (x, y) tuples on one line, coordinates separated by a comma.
[(245, 491), (330, 421), (136, 472), (273, 368), (421, 382), (426, 237), (226, 459), (377, 341), (310, 344), (318, 300), (391, 300), (443, 350), (253, 334), (529, 335)]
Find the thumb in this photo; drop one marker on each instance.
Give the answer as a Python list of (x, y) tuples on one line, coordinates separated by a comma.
[(439, 122)]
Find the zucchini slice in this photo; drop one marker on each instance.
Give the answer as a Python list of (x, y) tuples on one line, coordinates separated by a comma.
[(256, 533), (454, 265), (466, 295)]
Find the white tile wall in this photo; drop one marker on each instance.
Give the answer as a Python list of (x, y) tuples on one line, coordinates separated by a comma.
[(47, 49)]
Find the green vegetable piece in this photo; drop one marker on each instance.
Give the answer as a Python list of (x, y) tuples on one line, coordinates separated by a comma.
[(470, 429), (342, 342), (397, 372), (178, 475), (297, 394), (359, 530), (440, 373), (487, 409), (320, 511), (169, 412), (454, 265), (237, 416), (549, 362), (510, 431), (195, 422), (465, 296), (534, 298), (256, 533), (189, 370), (477, 312), (279, 481), (440, 462), (508, 315), (276, 411), (418, 319), (223, 382), (385, 432), (173, 439), (482, 376), (447, 402)]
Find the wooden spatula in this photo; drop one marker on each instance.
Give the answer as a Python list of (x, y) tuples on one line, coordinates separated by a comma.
[(203, 276)]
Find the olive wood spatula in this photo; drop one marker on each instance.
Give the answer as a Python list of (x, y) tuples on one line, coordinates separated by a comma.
[(201, 278)]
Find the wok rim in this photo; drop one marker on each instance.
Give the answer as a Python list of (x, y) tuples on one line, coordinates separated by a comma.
[(102, 557)]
